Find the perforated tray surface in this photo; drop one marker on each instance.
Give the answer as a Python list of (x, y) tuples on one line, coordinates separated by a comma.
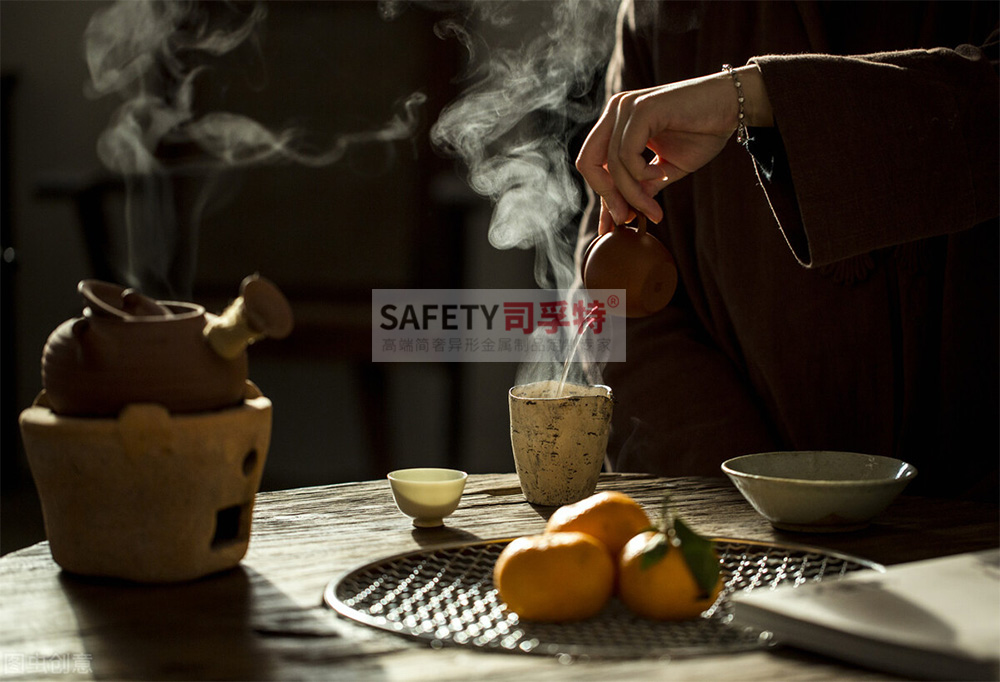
[(445, 596)]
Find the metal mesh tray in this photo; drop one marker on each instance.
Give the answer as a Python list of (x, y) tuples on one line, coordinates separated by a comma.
[(445, 596)]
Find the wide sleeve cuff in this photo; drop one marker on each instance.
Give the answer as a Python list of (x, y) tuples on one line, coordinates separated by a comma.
[(880, 149)]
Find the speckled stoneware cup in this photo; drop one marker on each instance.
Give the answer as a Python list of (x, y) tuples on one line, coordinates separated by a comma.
[(559, 442)]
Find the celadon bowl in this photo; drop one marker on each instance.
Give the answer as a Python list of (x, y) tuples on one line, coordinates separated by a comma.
[(427, 495), (818, 491)]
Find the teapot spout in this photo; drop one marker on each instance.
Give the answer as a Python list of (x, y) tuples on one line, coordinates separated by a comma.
[(260, 311)]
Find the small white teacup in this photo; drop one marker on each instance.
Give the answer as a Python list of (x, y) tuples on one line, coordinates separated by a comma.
[(427, 495)]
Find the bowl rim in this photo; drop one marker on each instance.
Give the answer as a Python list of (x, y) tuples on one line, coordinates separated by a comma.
[(443, 475), (909, 472)]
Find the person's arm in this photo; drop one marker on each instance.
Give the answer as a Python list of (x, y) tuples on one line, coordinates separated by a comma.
[(684, 124), (881, 148), (681, 406)]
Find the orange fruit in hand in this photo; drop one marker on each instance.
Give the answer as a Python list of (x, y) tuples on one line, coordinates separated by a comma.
[(611, 517), (660, 587), (555, 576)]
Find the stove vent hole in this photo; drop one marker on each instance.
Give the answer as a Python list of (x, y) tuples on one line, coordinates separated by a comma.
[(230, 525), (249, 462)]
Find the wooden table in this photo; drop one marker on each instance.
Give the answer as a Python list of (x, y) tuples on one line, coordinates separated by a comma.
[(266, 620)]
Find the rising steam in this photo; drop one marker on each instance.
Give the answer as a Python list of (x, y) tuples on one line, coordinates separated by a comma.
[(532, 71), (513, 124), (151, 54)]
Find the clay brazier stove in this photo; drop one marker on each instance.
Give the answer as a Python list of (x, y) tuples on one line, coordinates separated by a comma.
[(148, 441)]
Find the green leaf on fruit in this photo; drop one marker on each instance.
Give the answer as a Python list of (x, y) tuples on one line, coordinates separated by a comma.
[(700, 556), (656, 548)]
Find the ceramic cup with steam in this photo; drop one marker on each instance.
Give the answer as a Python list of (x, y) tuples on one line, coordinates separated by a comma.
[(559, 439)]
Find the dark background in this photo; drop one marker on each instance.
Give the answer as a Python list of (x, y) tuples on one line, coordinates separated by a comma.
[(399, 215)]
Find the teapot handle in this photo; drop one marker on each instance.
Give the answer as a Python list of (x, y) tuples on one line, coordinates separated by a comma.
[(261, 310), (640, 224)]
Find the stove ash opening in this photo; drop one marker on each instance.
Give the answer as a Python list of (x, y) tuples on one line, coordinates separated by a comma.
[(231, 525)]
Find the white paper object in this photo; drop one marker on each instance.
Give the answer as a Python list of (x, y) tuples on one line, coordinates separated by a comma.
[(934, 619)]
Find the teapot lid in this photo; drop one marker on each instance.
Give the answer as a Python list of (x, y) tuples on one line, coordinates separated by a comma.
[(104, 299)]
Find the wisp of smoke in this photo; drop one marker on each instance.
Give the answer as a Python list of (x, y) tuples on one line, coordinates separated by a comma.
[(513, 124), (533, 87), (151, 53)]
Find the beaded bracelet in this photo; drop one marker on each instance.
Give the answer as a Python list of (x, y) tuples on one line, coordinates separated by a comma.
[(741, 124)]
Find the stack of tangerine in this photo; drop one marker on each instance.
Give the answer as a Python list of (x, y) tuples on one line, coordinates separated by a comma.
[(602, 545)]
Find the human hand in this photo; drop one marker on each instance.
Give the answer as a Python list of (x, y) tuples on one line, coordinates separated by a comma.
[(685, 124)]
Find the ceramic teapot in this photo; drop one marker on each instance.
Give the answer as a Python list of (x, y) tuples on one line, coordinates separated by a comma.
[(630, 258), (127, 348)]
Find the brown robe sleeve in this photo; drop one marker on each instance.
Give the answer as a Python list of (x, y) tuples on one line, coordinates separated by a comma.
[(883, 149)]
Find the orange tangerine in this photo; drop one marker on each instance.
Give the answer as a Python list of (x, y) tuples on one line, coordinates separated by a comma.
[(611, 517), (555, 577), (660, 587)]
